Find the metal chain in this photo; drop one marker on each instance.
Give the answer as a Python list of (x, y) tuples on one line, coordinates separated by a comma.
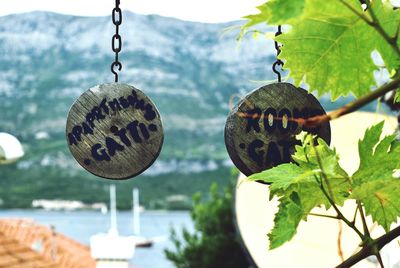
[(278, 47), (278, 51), (116, 42)]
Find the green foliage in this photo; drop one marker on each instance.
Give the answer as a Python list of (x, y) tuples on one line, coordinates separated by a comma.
[(397, 96), (330, 43), (299, 191), (20, 185), (317, 179), (45, 82), (276, 12), (214, 242), (374, 184)]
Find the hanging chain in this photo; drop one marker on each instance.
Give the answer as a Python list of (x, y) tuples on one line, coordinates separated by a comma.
[(278, 46), (278, 51), (116, 42)]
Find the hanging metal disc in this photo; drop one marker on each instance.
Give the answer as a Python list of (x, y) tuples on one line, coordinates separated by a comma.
[(260, 131), (114, 131)]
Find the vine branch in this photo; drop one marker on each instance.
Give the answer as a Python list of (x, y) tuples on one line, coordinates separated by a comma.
[(379, 258), (355, 215), (352, 106), (364, 222), (339, 241), (371, 248), (330, 199), (378, 27), (392, 41), (324, 216), (355, 11)]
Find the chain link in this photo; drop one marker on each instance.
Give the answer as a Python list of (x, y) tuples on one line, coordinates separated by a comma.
[(116, 41), (278, 51)]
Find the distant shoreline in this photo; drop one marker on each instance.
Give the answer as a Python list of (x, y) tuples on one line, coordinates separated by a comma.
[(92, 210)]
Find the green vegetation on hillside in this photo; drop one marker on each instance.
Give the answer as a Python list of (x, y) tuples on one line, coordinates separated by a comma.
[(215, 243)]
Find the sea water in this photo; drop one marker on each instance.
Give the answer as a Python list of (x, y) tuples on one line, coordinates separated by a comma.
[(80, 225)]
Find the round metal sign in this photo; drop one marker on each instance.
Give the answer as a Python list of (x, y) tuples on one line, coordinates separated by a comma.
[(260, 130), (114, 131)]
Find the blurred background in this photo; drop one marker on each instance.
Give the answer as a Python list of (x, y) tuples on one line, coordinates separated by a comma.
[(183, 54)]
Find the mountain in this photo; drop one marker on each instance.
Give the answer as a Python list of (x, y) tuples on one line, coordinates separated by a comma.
[(190, 70)]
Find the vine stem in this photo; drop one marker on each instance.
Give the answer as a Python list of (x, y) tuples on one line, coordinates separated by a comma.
[(355, 11), (324, 216), (355, 215), (371, 248), (364, 222), (392, 41), (340, 215), (330, 199), (339, 241), (352, 106), (379, 258), (357, 104)]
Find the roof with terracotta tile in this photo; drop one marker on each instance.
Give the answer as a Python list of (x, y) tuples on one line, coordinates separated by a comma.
[(24, 243)]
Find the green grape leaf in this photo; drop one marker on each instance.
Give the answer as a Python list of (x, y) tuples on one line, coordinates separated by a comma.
[(373, 183), (397, 96), (293, 174), (327, 49), (381, 200), (298, 186), (378, 159), (286, 221), (390, 21), (330, 43), (366, 145), (276, 12)]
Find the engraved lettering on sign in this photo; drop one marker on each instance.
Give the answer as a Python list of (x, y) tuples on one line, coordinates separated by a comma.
[(133, 132), (275, 123), (261, 129)]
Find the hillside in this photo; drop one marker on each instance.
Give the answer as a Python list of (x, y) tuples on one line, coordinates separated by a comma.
[(190, 70)]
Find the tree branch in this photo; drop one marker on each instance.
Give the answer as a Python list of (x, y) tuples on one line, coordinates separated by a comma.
[(370, 248), (350, 107)]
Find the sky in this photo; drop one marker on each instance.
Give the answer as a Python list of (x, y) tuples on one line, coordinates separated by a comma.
[(191, 10)]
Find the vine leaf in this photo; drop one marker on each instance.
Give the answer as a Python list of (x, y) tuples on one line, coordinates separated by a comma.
[(397, 96), (374, 183), (286, 221), (330, 48), (329, 45), (276, 12), (298, 187), (380, 200), (390, 21)]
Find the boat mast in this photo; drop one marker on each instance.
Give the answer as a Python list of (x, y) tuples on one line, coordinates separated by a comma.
[(135, 207), (113, 211)]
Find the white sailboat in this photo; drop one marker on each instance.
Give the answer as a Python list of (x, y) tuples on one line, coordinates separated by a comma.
[(140, 241), (110, 249)]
